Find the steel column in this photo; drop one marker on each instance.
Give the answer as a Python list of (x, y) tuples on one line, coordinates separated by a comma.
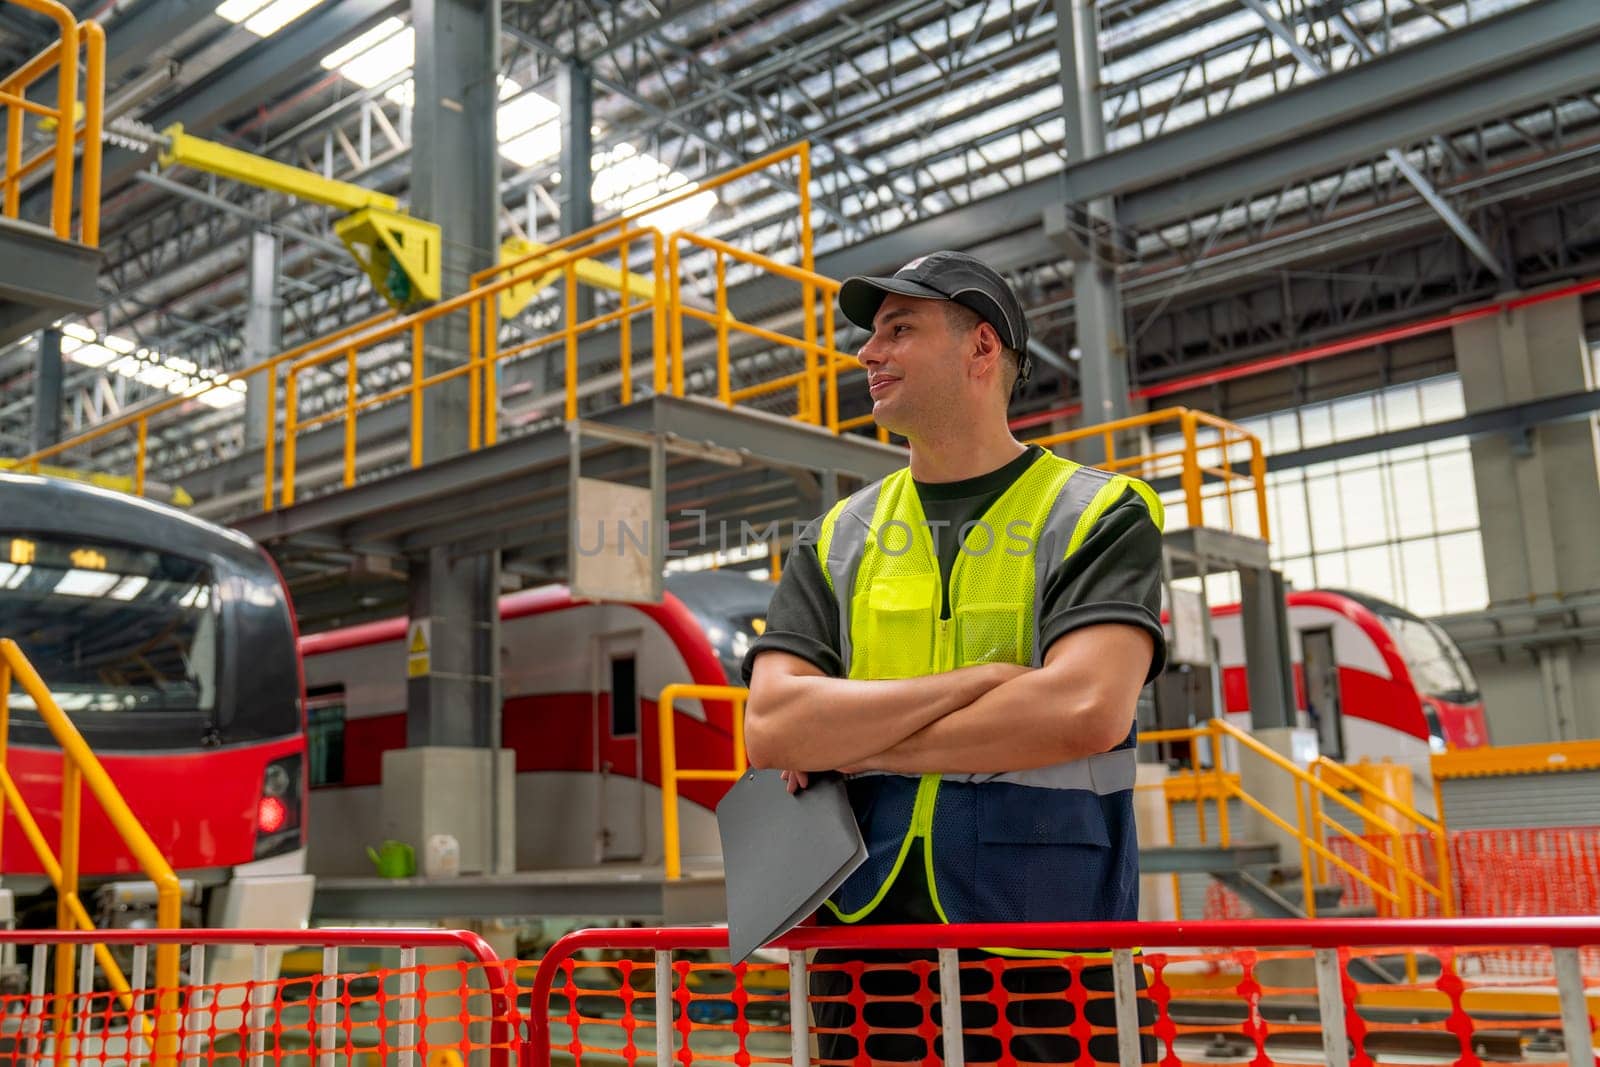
[(47, 390), (455, 183), (263, 331), (1102, 335), (576, 97)]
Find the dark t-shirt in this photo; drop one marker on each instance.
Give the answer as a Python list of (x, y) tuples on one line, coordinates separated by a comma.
[(1115, 576)]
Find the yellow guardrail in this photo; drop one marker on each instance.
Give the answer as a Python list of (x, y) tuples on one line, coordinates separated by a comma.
[(1215, 461), (1204, 463), (61, 120), (80, 768), (671, 774), (1312, 823), (1394, 808)]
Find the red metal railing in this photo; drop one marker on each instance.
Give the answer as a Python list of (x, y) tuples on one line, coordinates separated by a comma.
[(412, 1012), (1325, 994)]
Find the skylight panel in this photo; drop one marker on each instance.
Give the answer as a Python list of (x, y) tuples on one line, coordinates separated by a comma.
[(237, 11), (539, 145), (522, 113), (276, 15), (378, 34), (383, 60)]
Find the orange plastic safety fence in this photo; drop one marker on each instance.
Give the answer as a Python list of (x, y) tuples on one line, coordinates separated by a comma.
[(425, 1016), (1245, 1006)]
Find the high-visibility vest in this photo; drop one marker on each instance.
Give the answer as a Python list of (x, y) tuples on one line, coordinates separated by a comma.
[(1055, 843)]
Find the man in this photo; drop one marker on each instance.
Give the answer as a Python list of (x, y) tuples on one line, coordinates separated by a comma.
[(966, 640)]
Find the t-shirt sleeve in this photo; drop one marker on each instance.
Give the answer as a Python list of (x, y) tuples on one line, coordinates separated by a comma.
[(1114, 576), (803, 618)]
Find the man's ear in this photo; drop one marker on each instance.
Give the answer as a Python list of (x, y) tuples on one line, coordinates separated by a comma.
[(987, 350)]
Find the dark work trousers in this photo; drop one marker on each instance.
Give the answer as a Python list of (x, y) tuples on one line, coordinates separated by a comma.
[(1036, 995)]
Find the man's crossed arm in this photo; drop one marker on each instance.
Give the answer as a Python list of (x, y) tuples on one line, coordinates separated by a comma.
[(982, 719)]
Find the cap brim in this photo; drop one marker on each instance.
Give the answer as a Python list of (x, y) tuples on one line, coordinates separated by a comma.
[(860, 297)]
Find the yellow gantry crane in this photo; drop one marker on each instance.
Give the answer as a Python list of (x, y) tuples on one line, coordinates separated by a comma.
[(398, 252)]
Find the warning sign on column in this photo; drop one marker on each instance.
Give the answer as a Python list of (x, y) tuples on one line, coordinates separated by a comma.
[(419, 638)]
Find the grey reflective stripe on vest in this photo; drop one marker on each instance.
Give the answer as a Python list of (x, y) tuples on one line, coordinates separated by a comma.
[(1103, 774), (1056, 534), (845, 552)]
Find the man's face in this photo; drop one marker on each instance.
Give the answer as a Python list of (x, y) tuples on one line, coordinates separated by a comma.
[(916, 366)]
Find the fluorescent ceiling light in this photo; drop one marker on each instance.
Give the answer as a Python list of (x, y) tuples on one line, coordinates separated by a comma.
[(122, 357), (86, 583), (129, 587)]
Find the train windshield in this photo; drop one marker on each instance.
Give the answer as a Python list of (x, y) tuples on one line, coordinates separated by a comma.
[(1437, 667), (111, 629)]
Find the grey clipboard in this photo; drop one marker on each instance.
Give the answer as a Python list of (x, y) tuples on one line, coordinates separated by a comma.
[(783, 855)]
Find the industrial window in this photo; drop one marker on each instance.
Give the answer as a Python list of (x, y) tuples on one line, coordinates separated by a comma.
[(624, 697), (325, 734), (1401, 524)]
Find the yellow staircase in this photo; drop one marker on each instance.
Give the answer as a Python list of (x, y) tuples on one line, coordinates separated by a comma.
[(1345, 825)]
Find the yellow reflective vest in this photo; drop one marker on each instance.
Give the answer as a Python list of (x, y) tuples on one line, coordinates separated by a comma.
[(1048, 844)]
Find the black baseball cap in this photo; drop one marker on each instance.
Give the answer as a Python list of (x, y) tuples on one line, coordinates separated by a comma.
[(953, 276)]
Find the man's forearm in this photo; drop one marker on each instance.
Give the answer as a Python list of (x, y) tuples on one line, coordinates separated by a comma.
[(819, 723), (1028, 722)]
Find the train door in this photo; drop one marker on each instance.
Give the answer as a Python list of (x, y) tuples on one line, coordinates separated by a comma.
[(620, 751), (1323, 700)]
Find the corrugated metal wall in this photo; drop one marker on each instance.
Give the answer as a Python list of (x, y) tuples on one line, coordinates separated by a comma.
[(1516, 801)]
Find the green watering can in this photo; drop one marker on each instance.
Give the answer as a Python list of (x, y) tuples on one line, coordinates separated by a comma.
[(395, 859)]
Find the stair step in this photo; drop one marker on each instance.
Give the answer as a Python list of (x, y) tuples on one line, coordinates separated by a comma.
[(1205, 859)]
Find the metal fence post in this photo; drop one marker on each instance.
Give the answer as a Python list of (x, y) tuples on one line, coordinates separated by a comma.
[(799, 1012), (663, 1008), (409, 1008), (1574, 1008), (955, 1050), (1125, 986), (328, 1010), (1330, 1006)]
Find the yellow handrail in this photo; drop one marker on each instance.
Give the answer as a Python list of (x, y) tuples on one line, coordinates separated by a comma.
[(1374, 797), (672, 848), (62, 57), (1196, 461), (1204, 462), (1309, 829), (81, 767)]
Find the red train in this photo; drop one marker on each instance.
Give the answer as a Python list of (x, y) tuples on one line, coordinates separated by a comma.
[(170, 642)]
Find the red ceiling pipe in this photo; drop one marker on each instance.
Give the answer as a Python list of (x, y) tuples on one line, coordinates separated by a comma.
[(1333, 348)]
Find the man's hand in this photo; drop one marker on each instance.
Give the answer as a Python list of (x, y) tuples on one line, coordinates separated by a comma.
[(796, 780)]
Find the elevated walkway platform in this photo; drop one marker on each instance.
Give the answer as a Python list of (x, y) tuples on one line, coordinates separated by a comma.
[(625, 891), (714, 473), (43, 278)]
